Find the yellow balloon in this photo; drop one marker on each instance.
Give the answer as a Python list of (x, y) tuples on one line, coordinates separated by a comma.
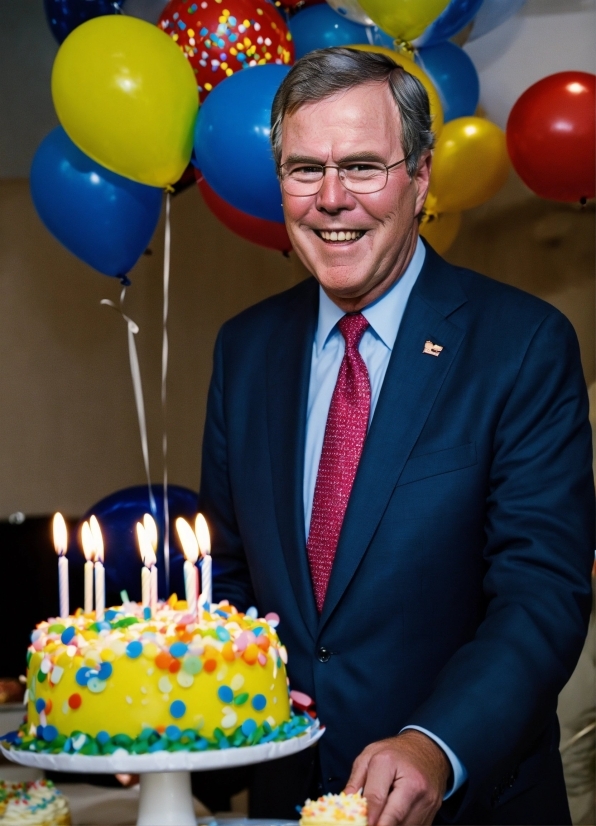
[(441, 230), (436, 110), (404, 19), (470, 164), (127, 97)]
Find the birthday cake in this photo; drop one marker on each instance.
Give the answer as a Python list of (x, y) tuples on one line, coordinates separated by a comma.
[(335, 810), (172, 681), (37, 803)]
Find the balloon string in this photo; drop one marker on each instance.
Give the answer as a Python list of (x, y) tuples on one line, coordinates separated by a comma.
[(164, 379), (135, 372)]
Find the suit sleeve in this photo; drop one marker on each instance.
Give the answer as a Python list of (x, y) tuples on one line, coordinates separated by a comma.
[(231, 577), (491, 700)]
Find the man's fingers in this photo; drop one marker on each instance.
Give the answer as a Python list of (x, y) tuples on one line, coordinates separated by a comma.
[(358, 775), (379, 782)]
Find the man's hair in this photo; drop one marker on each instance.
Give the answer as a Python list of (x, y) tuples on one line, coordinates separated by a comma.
[(325, 72)]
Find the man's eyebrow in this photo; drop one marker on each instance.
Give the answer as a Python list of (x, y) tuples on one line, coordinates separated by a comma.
[(351, 158)]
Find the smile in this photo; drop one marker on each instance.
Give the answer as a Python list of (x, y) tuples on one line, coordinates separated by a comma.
[(335, 236)]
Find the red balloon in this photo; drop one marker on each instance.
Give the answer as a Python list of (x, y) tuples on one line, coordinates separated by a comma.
[(268, 234), (551, 134), (220, 38)]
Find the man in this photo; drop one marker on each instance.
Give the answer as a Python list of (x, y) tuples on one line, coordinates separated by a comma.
[(397, 461)]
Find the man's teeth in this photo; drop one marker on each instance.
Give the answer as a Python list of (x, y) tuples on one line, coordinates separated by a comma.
[(342, 235)]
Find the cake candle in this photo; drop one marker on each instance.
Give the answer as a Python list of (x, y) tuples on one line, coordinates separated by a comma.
[(204, 540), (148, 556), (100, 574), (190, 548), (89, 551), (60, 546)]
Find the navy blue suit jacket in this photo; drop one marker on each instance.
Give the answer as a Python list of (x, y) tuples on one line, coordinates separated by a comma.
[(459, 595)]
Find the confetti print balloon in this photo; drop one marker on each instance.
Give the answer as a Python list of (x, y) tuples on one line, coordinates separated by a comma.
[(220, 37)]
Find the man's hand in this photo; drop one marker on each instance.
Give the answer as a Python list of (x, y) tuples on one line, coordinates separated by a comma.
[(404, 779)]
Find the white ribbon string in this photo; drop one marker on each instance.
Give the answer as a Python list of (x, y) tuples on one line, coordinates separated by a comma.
[(164, 379), (135, 372)]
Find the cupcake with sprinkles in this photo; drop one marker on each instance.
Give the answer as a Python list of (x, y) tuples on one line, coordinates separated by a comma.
[(334, 810), (37, 803), (169, 682)]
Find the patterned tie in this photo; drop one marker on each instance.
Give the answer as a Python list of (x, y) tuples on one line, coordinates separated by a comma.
[(347, 423)]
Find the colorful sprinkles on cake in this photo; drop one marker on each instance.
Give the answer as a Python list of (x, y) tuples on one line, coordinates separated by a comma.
[(126, 683), (218, 41), (335, 809)]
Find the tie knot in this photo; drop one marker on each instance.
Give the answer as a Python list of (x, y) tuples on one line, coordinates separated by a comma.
[(352, 327)]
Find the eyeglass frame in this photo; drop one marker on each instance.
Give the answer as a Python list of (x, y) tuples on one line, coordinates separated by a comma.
[(339, 167)]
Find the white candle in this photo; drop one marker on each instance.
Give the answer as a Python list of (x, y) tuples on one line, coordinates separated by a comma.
[(204, 540), (147, 551), (190, 548), (100, 574), (60, 545), (89, 551), (153, 590), (146, 586)]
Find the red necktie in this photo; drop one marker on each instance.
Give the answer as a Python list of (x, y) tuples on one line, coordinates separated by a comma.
[(345, 432)]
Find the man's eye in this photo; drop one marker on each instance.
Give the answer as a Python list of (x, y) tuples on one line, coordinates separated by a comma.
[(305, 170)]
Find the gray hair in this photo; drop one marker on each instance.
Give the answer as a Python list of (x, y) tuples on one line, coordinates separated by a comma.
[(325, 72)]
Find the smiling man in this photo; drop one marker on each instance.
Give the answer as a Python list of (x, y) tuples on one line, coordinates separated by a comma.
[(397, 461)]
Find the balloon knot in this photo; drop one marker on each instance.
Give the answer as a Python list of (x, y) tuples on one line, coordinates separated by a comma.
[(125, 280), (583, 201), (404, 47), (169, 188)]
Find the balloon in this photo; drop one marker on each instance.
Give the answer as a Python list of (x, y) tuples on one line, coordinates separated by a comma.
[(351, 10), (102, 218), (232, 141), (65, 15), (551, 136), (220, 41), (408, 64), (127, 97), (455, 77), (319, 27), (492, 14), (403, 19), (268, 234), (456, 16), (441, 230), (117, 515), (470, 164)]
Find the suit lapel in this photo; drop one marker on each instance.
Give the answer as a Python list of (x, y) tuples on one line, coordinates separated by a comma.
[(289, 356), (410, 387)]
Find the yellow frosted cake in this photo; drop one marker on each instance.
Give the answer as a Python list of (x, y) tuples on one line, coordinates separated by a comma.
[(334, 810), (37, 803), (146, 684)]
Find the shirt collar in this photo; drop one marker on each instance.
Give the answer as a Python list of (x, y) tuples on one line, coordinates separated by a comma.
[(384, 315)]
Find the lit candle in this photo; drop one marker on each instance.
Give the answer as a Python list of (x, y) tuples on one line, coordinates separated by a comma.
[(151, 530), (60, 546), (89, 551), (190, 547), (204, 540), (148, 557), (100, 573)]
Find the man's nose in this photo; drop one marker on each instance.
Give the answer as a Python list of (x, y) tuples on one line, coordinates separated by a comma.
[(333, 196)]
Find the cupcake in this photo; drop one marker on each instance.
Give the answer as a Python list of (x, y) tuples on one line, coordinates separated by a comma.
[(334, 810)]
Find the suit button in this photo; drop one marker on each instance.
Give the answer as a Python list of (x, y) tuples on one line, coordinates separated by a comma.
[(323, 655)]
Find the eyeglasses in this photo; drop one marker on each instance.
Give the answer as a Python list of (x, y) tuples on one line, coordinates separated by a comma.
[(360, 177)]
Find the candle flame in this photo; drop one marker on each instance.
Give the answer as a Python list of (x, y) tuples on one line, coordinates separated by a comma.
[(188, 540), (88, 543), (145, 546), (202, 534), (60, 534), (97, 538), (150, 529)]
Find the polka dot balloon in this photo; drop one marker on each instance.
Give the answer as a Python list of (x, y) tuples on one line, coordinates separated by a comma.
[(220, 37)]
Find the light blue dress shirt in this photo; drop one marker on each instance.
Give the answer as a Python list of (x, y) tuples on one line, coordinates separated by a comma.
[(384, 317)]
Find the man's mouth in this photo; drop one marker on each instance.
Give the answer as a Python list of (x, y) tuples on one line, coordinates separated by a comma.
[(340, 235)]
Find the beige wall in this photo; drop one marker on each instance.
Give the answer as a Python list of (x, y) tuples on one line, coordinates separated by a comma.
[(68, 428)]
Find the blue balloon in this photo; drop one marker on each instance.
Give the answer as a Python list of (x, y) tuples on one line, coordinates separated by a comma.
[(492, 14), (232, 141), (117, 515), (104, 219), (454, 76), (452, 20), (65, 15), (319, 27)]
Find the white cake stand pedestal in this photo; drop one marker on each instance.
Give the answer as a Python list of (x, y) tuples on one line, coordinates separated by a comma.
[(166, 797)]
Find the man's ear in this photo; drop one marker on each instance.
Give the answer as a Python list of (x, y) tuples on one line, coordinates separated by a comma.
[(421, 179)]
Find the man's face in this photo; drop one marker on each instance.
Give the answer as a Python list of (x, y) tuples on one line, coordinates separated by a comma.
[(362, 121)]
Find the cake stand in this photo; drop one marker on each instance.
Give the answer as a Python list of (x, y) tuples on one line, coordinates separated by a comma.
[(166, 797)]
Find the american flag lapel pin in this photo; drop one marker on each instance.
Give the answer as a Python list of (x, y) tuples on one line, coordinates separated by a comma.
[(432, 349)]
